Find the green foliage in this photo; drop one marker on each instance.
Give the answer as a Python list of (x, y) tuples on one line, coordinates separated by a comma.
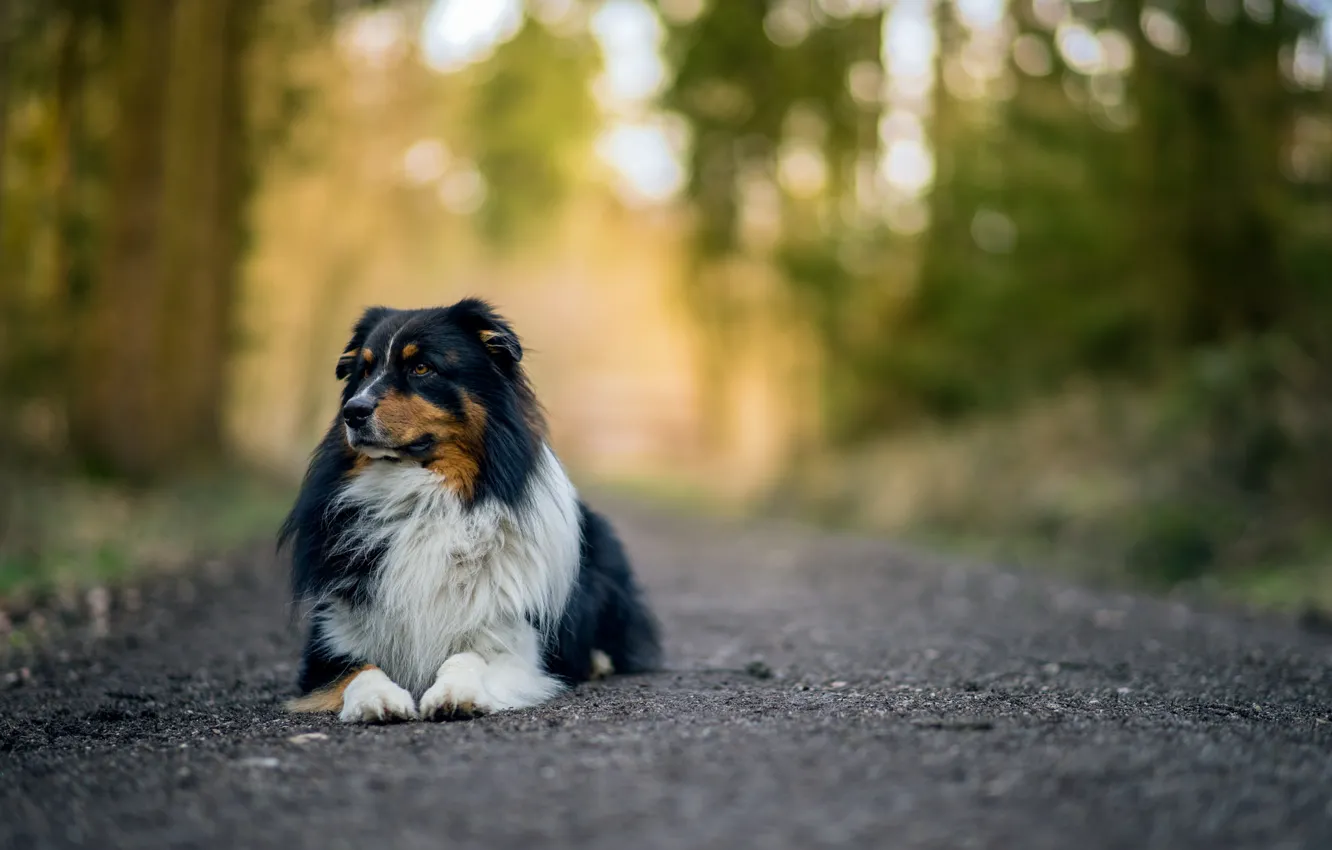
[(1177, 543), (1162, 226), (1142, 228), (122, 199), (737, 89), (531, 121)]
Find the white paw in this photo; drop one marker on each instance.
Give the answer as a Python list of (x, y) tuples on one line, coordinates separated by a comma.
[(372, 697), (602, 666), (459, 692)]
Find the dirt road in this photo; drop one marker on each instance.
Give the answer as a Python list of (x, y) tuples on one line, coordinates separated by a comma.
[(821, 692)]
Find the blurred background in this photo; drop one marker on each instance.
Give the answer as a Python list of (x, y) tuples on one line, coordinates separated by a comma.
[(1048, 280)]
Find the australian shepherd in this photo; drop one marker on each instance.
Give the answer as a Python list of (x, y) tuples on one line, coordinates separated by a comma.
[(449, 565)]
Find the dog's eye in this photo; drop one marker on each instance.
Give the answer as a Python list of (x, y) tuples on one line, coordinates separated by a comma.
[(420, 369)]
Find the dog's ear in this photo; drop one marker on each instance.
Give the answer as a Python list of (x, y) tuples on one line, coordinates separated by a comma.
[(360, 333), (502, 344), (343, 369), (492, 329)]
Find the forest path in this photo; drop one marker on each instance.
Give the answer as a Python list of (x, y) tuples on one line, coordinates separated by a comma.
[(821, 691)]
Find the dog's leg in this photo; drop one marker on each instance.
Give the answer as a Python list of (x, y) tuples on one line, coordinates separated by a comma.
[(373, 697), (334, 681), (459, 691), (514, 681), (503, 673), (363, 695)]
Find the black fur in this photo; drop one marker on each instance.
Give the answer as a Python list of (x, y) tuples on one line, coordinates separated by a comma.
[(474, 351), (605, 611)]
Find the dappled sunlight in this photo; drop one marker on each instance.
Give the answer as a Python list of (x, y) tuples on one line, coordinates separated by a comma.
[(458, 33), (796, 330), (748, 245)]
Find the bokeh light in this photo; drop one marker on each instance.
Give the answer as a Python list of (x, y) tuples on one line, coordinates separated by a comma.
[(458, 33)]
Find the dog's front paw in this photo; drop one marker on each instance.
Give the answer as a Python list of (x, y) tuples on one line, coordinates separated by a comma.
[(458, 692), (372, 697)]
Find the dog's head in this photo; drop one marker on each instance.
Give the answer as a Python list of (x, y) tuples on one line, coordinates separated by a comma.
[(426, 386)]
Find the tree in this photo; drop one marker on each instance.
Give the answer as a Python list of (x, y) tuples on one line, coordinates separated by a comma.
[(152, 343), (1142, 201)]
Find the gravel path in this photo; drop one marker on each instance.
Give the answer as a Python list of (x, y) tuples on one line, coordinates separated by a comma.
[(822, 691)]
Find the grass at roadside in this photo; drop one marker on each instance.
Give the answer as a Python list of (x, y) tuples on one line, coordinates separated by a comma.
[(68, 534), (1296, 585), (64, 534)]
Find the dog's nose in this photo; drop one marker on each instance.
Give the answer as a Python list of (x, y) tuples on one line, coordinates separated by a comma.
[(357, 412)]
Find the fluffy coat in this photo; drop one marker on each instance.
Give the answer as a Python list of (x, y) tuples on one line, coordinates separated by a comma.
[(449, 565)]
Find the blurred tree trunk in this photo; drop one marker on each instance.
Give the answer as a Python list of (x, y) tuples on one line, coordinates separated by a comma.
[(1208, 148), (1240, 117), (6, 285), (115, 423), (155, 338), (946, 241), (206, 166), (6, 48), (235, 166), (1160, 167), (48, 307)]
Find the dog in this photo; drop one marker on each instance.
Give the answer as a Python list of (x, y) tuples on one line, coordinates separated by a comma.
[(450, 567)]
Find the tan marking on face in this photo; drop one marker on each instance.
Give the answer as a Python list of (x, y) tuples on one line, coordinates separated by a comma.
[(405, 418), (459, 460), (327, 698), (458, 440), (409, 350), (368, 355)]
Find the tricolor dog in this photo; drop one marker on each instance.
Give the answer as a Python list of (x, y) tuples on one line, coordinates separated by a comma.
[(449, 565)]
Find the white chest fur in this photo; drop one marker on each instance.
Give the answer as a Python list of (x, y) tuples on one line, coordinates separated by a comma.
[(452, 578)]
